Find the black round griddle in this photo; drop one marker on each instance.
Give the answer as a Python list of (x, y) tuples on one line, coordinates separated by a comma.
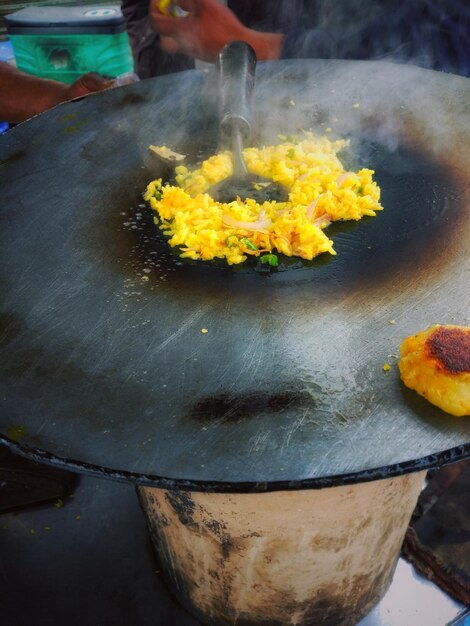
[(104, 366)]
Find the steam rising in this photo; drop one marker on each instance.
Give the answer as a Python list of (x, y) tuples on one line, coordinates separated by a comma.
[(434, 34), (392, 102), (346, 99), (377, 86)]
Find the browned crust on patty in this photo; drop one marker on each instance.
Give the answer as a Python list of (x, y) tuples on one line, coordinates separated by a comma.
[(450, 347)]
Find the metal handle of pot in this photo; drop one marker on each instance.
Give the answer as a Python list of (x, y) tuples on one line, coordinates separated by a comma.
[(237, 64)]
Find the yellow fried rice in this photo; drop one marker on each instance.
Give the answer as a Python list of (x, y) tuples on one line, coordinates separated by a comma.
[(320, 192)]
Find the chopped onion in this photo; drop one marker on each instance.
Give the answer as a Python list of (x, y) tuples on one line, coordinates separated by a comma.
[(258, 225), (311, 207), (324, 219)]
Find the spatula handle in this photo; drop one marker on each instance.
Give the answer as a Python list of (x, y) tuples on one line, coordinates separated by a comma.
[(237, 64)]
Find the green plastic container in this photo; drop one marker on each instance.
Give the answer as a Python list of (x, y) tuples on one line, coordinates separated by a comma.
[(63, 43)]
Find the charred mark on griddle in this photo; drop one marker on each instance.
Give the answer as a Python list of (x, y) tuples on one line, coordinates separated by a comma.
[(451, 349), (131, 98), (16, 156), (235, 407)]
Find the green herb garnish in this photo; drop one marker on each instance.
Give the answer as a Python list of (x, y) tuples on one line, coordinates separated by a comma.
[(249, 244), (270, 258)]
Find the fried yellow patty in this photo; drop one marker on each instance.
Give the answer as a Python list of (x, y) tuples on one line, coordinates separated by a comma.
[(436, 364)]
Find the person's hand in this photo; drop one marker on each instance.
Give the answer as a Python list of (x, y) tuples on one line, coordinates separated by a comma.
[(85, 85), (25, 95), (201, 34), (205, 31)]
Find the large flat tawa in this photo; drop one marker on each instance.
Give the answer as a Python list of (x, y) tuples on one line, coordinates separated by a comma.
[(103, 362)]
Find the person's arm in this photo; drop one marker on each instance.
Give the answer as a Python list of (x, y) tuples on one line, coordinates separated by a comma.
[(24, 95), (208, 27)]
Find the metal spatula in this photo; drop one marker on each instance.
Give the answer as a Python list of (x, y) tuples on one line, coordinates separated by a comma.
[(237, 64)]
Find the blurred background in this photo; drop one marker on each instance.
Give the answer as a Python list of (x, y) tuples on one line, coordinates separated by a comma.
[(62, 40)]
